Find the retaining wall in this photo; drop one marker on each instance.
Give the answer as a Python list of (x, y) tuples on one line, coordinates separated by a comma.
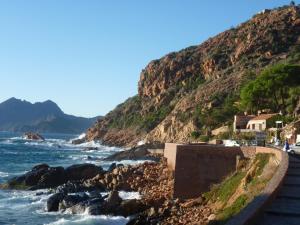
[(197, 167)]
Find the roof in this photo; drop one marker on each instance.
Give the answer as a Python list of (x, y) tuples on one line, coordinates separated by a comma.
[(243, 118), (264, 116)]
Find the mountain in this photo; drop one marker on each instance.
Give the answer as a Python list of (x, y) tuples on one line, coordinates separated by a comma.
[(47, 117), (178, 92)]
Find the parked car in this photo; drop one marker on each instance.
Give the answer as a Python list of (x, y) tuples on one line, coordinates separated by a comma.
[(295, 148), (230, 143)]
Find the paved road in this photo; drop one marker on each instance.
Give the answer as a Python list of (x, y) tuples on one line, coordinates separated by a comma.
[(285, 209)]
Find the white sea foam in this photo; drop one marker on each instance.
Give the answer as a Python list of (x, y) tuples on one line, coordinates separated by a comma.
[(88, 219), (129, 195), (126, 195), (81, 136), (4, 174)]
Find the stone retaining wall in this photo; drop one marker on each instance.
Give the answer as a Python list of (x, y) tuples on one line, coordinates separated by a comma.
[(197, 167)]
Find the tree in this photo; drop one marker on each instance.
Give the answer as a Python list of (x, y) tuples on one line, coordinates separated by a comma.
[(271, 89), (292, 3)]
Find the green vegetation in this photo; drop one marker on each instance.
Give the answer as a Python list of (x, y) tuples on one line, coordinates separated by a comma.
[(153, 118), (275, 88), (262, 160), (244, 136), (133, 118), (216, 116), (226, 189), (195, 134), (237, 190), (234, 209), (192, 83), (272, 121)]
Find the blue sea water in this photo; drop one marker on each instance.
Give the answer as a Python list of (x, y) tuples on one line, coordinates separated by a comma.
[(18, 155)]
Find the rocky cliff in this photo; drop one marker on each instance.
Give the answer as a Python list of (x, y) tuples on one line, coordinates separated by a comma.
[(172, 89)]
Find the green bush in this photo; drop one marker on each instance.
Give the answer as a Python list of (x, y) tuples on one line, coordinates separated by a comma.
[(195, 134), (204, 138)]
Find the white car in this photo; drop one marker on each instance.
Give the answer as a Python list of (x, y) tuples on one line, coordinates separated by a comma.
[(230, 143), (295, 148)]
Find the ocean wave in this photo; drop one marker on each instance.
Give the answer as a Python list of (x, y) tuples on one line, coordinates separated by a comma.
[(88, 219), (4, 174)]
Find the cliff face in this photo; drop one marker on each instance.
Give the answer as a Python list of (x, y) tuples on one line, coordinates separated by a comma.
[(173, 87)]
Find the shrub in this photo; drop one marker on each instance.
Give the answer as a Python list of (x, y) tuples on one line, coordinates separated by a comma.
[(195, 134)]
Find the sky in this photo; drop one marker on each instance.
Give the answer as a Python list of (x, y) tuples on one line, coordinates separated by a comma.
[(87, 55)]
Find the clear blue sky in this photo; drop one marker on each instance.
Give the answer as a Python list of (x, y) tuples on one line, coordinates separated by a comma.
[(86, 55)]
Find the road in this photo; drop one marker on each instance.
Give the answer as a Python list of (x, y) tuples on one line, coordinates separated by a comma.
[(285, 208)]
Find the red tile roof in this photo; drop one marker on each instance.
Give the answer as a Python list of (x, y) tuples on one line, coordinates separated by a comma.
[(264, 116)]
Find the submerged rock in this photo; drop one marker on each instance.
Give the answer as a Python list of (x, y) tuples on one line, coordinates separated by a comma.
[(90, 148)]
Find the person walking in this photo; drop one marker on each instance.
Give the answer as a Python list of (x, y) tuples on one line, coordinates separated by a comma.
[(286, 146)]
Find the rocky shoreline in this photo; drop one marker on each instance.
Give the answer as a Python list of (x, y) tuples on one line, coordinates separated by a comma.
[(79, 189)]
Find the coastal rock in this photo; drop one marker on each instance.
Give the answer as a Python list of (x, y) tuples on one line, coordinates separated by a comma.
[(71, 200), (113, 199), (78, 141), (112, 167), (53, 202), (83, 171), (43, 176), (33, 136), (131, 207), (53, 177), (77, 186), (135, 153)]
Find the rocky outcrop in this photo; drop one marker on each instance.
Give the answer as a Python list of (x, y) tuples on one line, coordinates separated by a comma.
[(33, 136), (136, 153), (171, 88), (44, 176)]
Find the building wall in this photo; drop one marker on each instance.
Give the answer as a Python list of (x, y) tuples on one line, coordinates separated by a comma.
[(197, 167), (256, 124)]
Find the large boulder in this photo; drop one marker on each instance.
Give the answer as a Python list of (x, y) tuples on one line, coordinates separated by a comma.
[(136, 153), (131, 207), (83, 171), (53, 202), (52, 178), (113, 199), (33, 136), (71, 200), (32, 177)]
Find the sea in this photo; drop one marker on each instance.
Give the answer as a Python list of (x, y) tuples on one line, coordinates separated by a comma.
[(18, 155)]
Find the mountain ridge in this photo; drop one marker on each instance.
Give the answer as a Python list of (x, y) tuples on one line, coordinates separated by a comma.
[(22, 116)]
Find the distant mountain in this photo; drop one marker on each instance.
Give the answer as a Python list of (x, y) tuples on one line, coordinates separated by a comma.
[(45, 117)]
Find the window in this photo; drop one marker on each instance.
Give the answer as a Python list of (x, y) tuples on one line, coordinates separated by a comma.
[(260, 126), (253, 126)]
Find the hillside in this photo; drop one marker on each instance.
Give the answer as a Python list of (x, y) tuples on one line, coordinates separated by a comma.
[(177, 93), (22, 116)]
